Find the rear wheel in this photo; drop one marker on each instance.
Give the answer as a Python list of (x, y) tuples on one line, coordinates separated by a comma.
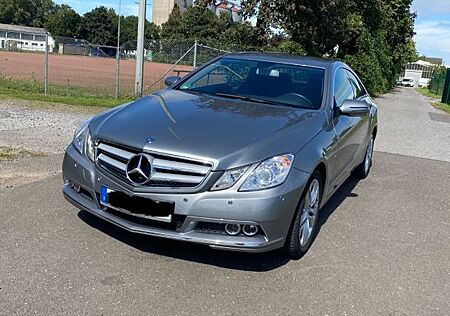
[(363, 169), (303, 228)]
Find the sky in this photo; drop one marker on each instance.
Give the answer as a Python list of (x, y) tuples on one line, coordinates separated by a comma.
[(432, 25), (128, 7), (433, 28)]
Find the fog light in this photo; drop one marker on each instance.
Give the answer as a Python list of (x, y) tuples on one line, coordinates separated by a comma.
[(233, 229), (250, 230)]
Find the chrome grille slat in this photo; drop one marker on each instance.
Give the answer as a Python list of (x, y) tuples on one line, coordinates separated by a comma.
[(158, 176), (180, 166), (112, 162), (116, 151), (168, 171)]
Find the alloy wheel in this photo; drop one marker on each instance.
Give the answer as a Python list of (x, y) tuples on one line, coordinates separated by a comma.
[(368, 158), (309, 213)]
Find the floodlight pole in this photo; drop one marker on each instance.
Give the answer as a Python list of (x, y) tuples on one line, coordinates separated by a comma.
[(139, 78), (118, 56)]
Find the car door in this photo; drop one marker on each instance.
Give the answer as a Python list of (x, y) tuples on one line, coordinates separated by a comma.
[(347, 128), (362, 128)]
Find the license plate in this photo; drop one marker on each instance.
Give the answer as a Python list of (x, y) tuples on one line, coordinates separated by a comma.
[(136, 206)]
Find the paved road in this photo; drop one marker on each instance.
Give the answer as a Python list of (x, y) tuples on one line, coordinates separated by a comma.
[(383, 249), (410, 126)]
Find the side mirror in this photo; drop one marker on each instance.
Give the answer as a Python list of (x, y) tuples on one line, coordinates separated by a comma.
[(354, 108), (171, 80)]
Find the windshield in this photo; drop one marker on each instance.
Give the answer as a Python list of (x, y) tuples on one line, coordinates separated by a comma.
[(259, 81)]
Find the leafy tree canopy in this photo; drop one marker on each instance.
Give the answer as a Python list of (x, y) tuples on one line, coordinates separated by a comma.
[(373, 36), (64, 22)]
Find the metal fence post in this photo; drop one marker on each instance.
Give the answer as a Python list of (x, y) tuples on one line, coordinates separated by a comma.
[(139, 75), (118, 56), (195, 54), (46, 65), (446, 93)]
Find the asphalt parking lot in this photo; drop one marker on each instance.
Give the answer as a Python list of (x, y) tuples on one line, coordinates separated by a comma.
[(383, 246)]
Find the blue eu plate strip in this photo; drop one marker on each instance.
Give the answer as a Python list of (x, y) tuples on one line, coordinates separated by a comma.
[(103, 194)]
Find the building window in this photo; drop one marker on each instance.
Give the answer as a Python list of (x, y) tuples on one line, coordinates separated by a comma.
[(13, 35), (34, 44), (2, 33), (26, 36), (39, 38)]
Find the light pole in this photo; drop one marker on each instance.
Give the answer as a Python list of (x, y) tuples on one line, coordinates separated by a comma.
[(139, 77), (118, 55)]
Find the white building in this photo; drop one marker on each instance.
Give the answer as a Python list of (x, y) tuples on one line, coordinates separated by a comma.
[(228, 7), (17, 37), (421, 71)]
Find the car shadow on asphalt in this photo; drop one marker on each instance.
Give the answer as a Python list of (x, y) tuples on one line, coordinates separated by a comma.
[(260, 262), (344, 192)]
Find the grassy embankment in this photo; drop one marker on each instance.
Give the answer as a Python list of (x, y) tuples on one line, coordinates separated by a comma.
[(436, 98), (33, 90)]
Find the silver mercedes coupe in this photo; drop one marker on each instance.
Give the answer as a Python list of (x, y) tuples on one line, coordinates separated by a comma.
[(241, 154)]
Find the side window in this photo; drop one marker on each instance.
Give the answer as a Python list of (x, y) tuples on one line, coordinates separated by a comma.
[(215, 77), (357, 86), (342, 88)]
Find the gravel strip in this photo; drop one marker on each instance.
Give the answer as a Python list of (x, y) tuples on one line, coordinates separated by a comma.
[(39, 127), (42, 130)]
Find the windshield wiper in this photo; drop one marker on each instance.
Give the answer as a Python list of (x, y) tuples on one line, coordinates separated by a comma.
[(256, 100)]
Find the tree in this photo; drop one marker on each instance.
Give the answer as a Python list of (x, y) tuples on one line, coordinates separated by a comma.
[(373, 36), (242, 36), (26, 12), (172, 28), (65, 22), (128, 35), (99, 26)]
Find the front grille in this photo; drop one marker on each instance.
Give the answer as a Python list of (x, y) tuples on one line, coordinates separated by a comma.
[(175, 225), (170, 171), (211, 228)]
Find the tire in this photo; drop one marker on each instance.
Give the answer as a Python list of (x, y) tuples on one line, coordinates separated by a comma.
[(363, 169), (305, 219)]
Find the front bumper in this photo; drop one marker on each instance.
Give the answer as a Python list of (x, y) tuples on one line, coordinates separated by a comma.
[(272, 210)]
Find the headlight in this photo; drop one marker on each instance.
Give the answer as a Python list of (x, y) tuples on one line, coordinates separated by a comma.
[(83, 141), (229, 178), (269, 173)]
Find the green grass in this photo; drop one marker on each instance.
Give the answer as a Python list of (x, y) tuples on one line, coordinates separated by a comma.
[(438, 105), (33, 90), (428, 93), (442, 106)]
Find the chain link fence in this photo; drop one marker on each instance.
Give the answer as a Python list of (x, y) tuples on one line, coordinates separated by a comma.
[(437, 82), (77, 66), (166, 58)]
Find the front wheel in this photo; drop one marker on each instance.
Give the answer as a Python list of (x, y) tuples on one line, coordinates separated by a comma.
[(363, 169), (303, 228)]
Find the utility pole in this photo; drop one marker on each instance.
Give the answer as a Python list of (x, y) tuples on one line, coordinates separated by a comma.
[(195, 54), (118, 56), (139, 78)]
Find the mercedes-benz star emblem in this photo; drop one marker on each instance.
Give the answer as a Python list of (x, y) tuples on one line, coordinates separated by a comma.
[(140, 169)]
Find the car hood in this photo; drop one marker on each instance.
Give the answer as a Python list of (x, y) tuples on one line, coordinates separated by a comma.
[(227, 132)]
